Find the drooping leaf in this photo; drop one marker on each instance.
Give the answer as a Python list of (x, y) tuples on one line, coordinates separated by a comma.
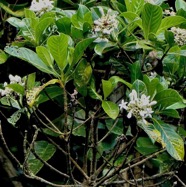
[(45, 151), (29, 56), (111, 109), (92, 90), (151, 19), (173, 142), (31, 95), (170, 21)]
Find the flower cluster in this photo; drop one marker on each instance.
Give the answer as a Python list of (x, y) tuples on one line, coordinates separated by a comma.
[(140, 108), (179, 35), (13, 80), (106, 23), (168, 12), (41, 6)]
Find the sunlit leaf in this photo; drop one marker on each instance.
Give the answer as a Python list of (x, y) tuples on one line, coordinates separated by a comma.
[(173, 142), (111, 109)]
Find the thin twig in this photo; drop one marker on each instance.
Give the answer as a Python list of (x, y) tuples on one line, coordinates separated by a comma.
[(7, 148)]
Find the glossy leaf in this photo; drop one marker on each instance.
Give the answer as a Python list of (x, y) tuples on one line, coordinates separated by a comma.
[(151, 19), (58, 46), (168, 97), (173, 142), (102, 47), (29, 56), (45, 151), (169, 22), (40, 28), (45, 55), (111, 109)]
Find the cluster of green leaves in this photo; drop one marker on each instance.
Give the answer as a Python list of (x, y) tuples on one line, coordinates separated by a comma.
[(62, 43)]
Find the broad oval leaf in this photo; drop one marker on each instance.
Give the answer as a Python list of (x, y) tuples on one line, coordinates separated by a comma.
[(111, 109), (58, 46), (151, 19), (173, 142), (45, 151)]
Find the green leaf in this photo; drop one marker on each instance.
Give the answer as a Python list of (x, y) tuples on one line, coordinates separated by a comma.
[(30, 82), (29, 13), (64, 25), (115, 79), (107, 87), (173, 142), (170, 21), (58, 46), (29, 56), (18, 13), (83, 73), (92, 90), (13, 119), (170, 112), (135, 71), (168, 97), (80, 48), (111, 109), (180, 4), (49, 93), (115, 127), (177, 105), (3, 57), (140, 87), (101, 47), (45, 55), (135, 6), (151, 19), (151, 85), (40, 28), (145, 146), (17, 88), (45, 151)]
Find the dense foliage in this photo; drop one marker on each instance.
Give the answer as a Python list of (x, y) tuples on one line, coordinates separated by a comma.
[(94, 92)]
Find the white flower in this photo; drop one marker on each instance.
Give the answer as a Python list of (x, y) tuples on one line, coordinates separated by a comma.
[(13, 80), (139, 107), (179, 35), (169, 12), (41, 6), (123, 105), (106, 23)]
